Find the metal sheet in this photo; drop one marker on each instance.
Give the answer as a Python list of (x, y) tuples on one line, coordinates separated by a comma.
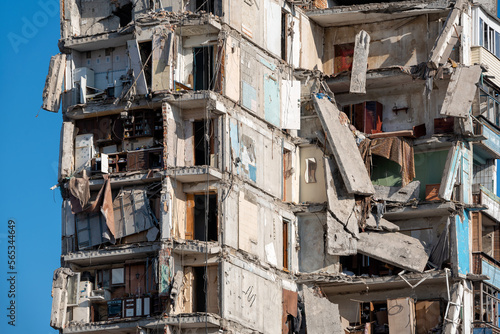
[(290, 104), (273, 27)]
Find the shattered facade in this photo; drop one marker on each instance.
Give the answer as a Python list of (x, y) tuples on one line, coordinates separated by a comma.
[(263, 166)]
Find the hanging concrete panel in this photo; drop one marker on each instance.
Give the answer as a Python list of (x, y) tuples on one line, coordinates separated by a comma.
[(273, 27), (394, 248), (338, 240), (340, 203), (66, 152), (345, 150), (136, 65), (448, 37), (322, 316), (53, 84), (360, 63), (290, 104), (161, 70), (450, 172), (272, 99), (461, 91)]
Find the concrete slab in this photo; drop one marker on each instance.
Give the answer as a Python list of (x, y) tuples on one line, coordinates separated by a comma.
[(394, 248), (53, 84), (344, 148), (338, 240), (383, 224), (461, 91), (360, 63), (397, 194)]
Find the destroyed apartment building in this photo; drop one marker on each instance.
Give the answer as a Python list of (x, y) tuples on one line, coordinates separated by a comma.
[(263, 166)]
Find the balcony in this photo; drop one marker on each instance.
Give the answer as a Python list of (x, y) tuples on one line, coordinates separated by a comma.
[(489, 147), (480, 55), (486, 293), (488, 199), (484, 264)]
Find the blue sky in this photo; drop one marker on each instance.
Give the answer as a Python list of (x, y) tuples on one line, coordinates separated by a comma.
[(30, 150)]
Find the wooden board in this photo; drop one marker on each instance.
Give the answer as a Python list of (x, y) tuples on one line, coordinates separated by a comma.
[(401, 313)]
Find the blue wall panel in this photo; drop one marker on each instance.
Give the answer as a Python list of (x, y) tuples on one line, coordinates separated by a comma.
[(463, 252)]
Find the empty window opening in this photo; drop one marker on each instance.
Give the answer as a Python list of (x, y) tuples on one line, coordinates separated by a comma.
[(203, 68), (287, 175), (362, 264), (204, 146), (145, 49), (310, 174), (124, 13), (200, 285), (205, 217), (286, 244), (284, 35), (209, 6)]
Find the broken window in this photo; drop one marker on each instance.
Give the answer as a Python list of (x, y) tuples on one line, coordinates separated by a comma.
[(145, 49), (201, 217)]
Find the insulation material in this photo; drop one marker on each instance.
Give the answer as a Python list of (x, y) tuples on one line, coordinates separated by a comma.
[(273, 27), (166, 273), (161, 60), (53, 84), (136, 65), (338, 240), (272, 99), (394, 248), (401, 313), (322, 316), (360, 63), (248, 236), (66, 157), (461, 91), (132, 213), (290, 104), (344, 148), (340, 203)]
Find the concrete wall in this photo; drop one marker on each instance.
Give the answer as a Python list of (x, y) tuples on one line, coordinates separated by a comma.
[(427, 229), (311, 41), (401, 42), (251, 298), (312, 254), (312, 192)]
